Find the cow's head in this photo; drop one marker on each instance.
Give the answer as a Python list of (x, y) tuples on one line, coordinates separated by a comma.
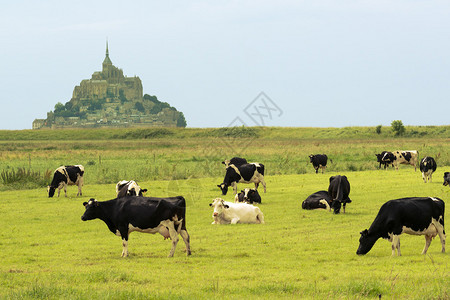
[(311, 158), (366, 242), (223, 187), (92, 210), (219, 206), (379, 157), (336, 206), (51, 191), (446, 178), (142, 192)]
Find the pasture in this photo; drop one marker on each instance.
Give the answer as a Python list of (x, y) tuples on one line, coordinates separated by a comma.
[(49, 253)]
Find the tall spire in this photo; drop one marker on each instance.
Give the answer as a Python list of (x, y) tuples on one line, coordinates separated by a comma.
[(107, 61)]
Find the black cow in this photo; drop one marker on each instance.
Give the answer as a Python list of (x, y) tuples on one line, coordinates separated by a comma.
[(248, 195), (237, 161), (447, 178), (339, 189), (427, 167), (385, 158), (245, 173), (149, 215), (128, 188), (415, 215), (64, 176), (319, 161), (320, 199)]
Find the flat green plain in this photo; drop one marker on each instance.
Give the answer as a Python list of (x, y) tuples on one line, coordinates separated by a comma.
[(49, 253)]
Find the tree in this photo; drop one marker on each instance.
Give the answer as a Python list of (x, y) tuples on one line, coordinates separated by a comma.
[(397, 127), (139, 107), (181, 121), (378, 129), (59, 107)]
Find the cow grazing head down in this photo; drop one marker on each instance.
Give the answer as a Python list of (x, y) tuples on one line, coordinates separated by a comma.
[(92, 211), (51, 191), (224, 188), (447, 178), (366, 242)]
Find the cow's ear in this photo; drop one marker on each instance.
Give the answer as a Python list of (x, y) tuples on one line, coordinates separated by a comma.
[(210, 204), (226, 206), (84, 204), (144, 190), (364, 232), (219, 186), (331, 178)]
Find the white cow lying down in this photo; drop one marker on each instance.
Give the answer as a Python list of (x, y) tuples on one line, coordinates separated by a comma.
[(228, 212)]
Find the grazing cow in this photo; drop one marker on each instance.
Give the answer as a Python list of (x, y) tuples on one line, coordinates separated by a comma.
[(319, 161), (406, 158), (385, 158), (128, 188), (415, 215), (64, 176), (245, 173), (338, 190), (166, 216), (427, 167), (237, 161), (248, 195), (319, 199), (447, 178), (232, 213)]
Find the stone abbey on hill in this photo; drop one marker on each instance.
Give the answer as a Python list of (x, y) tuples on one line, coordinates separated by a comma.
[(110, 99)]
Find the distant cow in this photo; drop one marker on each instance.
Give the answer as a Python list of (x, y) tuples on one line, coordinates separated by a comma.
[(245, 173), (166, 216), (385, 158), (232, 213), (319, 161), (415, 215), (128, 188), (447, 178), (248, 195), (237, 161), (64, 176), (320, 199), (338, 190), (427, 167), (406, 158)]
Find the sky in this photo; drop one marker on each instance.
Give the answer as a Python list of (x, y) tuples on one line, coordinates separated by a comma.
[(321, 63)]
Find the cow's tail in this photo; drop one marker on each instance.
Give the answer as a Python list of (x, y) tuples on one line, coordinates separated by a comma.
[(260, 216), (260, 169), (339, 193), (331, 161)]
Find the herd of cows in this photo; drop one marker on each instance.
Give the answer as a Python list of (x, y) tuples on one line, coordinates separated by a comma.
[(130, 211)]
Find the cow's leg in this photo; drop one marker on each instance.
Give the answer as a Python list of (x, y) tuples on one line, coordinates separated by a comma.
[(173, 235), (263, 183), (65, 190), (317, 170), (185, 235), (428, 239), (124, 234), (424, 177), (396, 244), (325, 202), (80, 184), (343, 207), (234, 185), (440, 230), (234, 220)]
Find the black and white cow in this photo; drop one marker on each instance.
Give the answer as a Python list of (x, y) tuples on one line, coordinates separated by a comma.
[(237, 161), (447, 178), (248, 195), (385, 158), (320, 199), (427, 167), (319, 161), (128, 188), (415, 215), (64, 176), (166, 216), (245, 173), (338, 190), (406, 158)]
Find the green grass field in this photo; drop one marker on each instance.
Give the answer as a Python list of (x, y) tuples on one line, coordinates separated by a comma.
[(49, 253)]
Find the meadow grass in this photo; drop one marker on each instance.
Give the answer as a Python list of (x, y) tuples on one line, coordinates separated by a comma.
[(49, 253)]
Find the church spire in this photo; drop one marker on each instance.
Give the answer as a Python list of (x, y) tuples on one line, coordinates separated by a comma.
[(107, 61)]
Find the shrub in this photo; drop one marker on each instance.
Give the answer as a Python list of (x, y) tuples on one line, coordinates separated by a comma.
[(397, 127)]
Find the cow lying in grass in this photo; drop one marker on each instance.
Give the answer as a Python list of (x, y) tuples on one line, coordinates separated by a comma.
[(232, 213)]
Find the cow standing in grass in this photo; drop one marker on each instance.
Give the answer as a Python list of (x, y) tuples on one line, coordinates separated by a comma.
[(406, 158), (338, 190), (64, 176), (415, 215), (319, 161), (246, 173), (129, 188), (427, 167), (447, 178)]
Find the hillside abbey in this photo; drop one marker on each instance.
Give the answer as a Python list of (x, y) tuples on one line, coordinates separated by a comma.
[(110, 99)]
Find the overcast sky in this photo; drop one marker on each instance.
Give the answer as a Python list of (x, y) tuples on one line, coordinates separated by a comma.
[(317, 63)]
